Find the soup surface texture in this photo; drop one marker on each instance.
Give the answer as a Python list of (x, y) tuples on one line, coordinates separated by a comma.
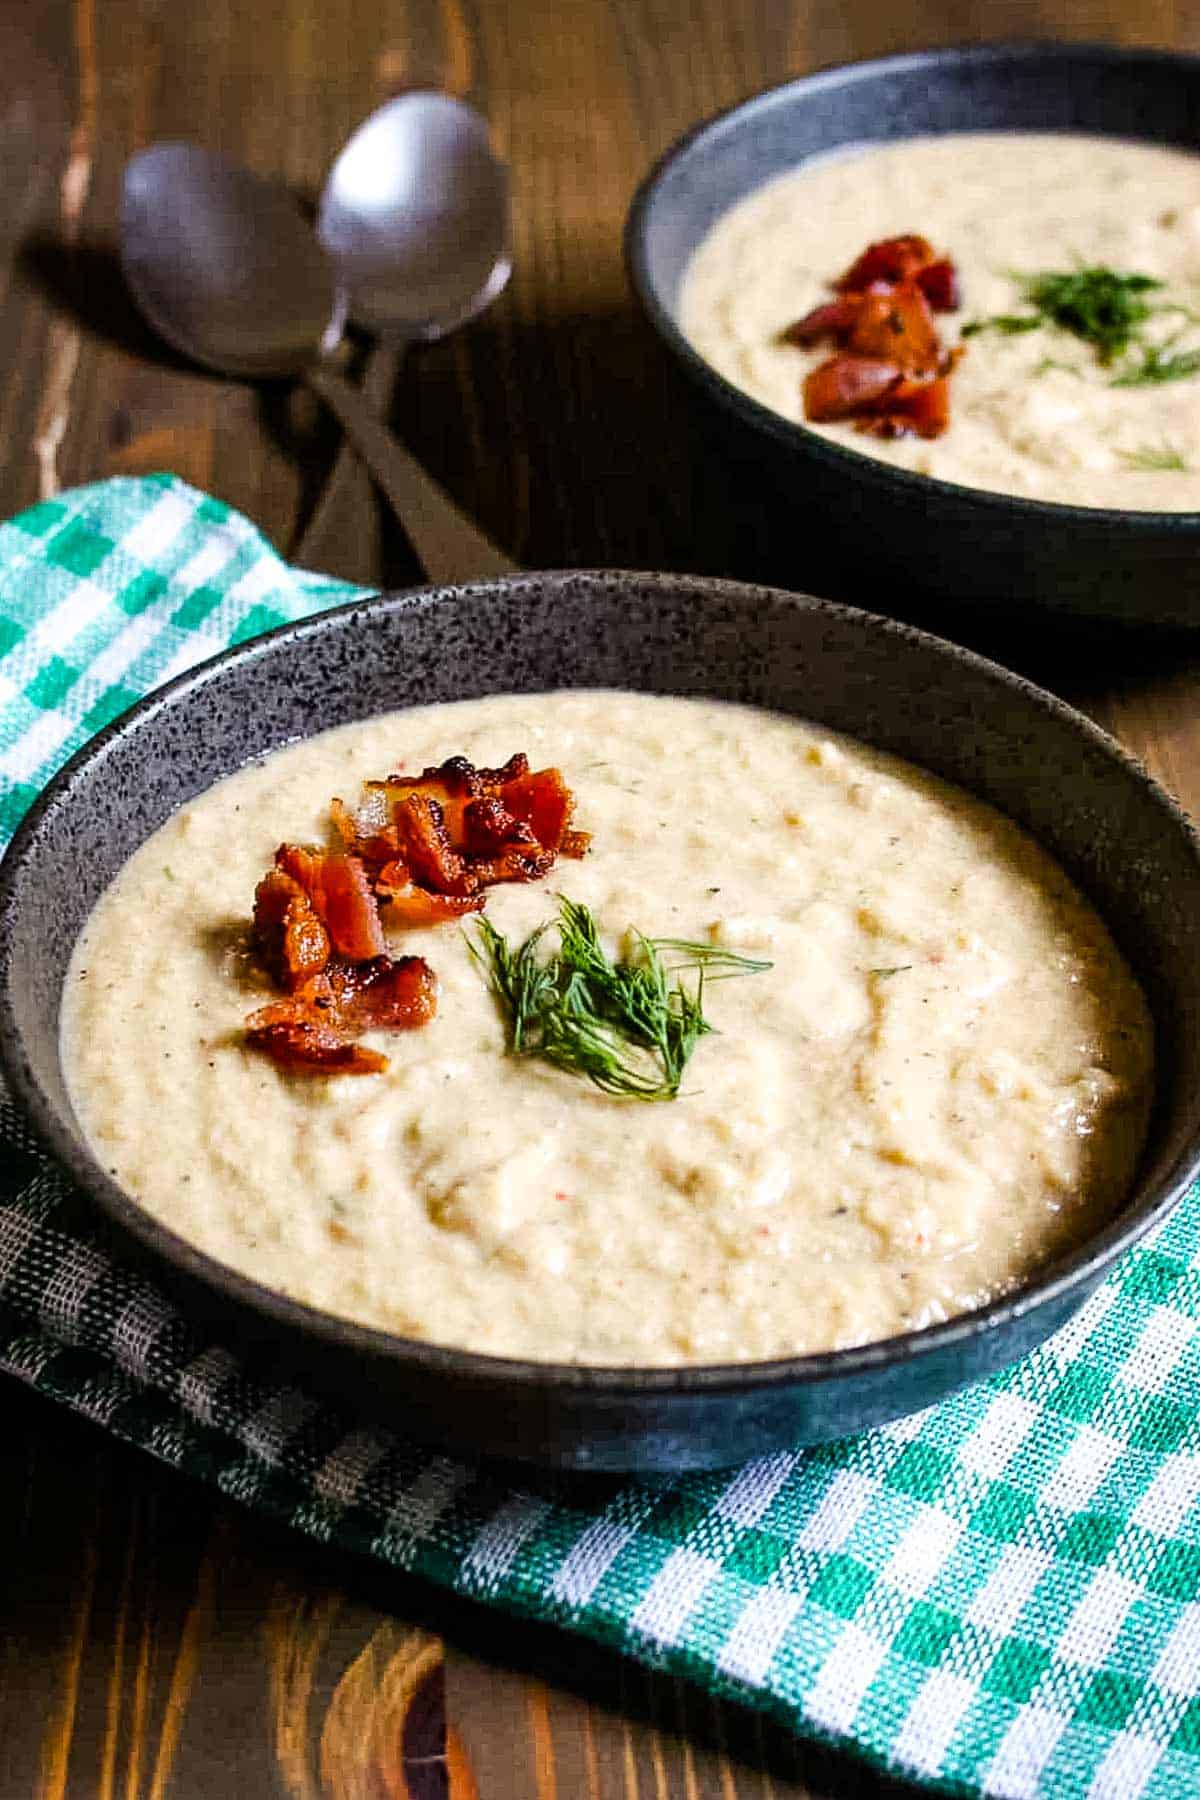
[(1033, 412), (942, 1080)]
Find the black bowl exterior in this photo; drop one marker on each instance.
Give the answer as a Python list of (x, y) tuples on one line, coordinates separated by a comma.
[(1123, 840), (939, 541)]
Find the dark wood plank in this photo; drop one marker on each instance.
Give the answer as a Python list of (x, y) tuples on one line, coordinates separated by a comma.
[(155, 1642)]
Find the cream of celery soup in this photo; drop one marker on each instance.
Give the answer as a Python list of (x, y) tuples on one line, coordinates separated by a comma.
[(1074, 402), (941, 1080)]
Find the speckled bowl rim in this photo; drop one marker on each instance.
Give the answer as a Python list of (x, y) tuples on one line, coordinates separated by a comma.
[(1082, 1268), (843, 457)]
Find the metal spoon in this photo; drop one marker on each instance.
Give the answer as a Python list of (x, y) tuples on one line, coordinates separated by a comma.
[(415, 214), (224, 266)]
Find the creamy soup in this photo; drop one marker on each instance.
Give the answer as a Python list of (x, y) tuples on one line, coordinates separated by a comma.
[(941, 1081), (1031, 412)]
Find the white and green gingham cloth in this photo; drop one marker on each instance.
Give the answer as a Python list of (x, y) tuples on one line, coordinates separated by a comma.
[(999, 1596)]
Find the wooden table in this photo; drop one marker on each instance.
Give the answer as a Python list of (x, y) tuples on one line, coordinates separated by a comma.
[(154, 1641)]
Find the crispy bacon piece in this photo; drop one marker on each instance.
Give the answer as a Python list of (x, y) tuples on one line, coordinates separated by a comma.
[(544, 802), (939, 283), (897, 326), (450, 786), (291, 939), (912, 409), (384, 995), (834, 318), (514, 863), (378, 848), (873, 321), (313, 1032), (344, 823), (488, 826), (875, 394), (351, 915), (424, 847), (889, 373), (846, 385), (458, 829), (456, 785), (310, 1047), (340, 892), (375, 843), (891, 260), (516, 766), (412, 907)]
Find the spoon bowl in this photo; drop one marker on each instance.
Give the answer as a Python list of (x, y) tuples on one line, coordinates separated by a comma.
[(415, 215), (222, 263)]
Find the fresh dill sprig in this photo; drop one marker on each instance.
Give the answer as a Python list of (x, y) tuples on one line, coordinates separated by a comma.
[(1055, 362), (716, 964), (1159, 365), (1104, 308), (519, 981), (1109, 311), (1007, 324), (1098, 305), (1161, 459), (624, 1025)]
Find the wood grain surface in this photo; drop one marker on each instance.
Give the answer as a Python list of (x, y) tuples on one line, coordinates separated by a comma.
[(156, 1643)]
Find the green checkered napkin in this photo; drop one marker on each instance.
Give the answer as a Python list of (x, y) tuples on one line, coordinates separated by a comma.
[(998, 1596)]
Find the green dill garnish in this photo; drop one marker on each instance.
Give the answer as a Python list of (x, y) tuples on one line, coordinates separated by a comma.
[(1100, 306), (1007, 324), (896, 969), (1055, 362), (1107, 310), (517, 979), (1097, 305), (1162, 460), (624, 1025), (1159, 365)]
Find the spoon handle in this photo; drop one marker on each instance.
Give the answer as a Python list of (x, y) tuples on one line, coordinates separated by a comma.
[(343, 528), (448, 545)]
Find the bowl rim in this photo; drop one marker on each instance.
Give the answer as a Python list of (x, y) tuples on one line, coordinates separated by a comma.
[(1079, 1269), (797, 436)]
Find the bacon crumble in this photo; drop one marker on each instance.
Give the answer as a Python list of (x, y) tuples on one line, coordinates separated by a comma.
[(890, 371), (291, 939), (317, 1026), (339, 892), (420, 851)]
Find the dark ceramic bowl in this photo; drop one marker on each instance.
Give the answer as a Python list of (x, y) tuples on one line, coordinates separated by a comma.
[(929, 539), (1126, 844)]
